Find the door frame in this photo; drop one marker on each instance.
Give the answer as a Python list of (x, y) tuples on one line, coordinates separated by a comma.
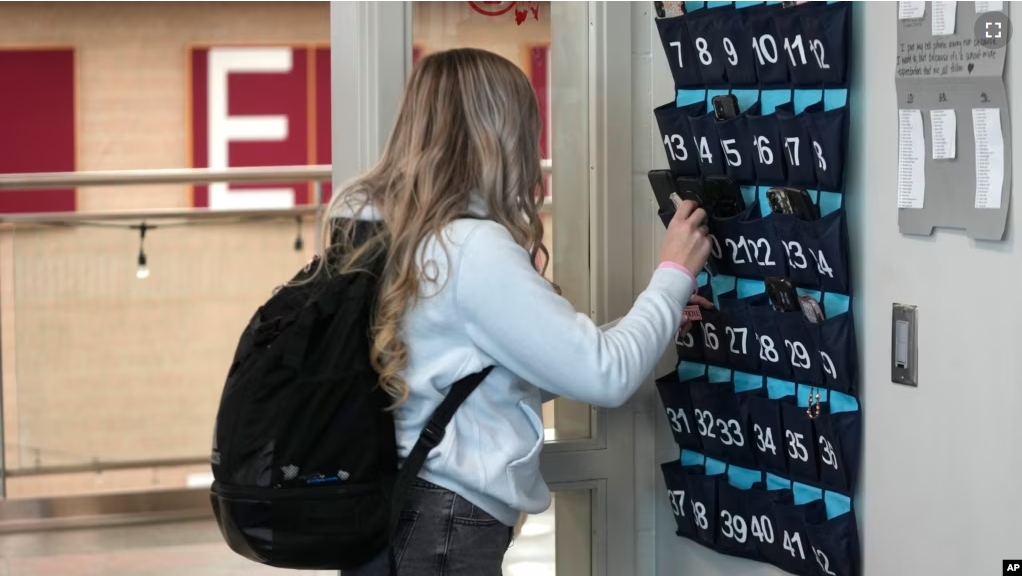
[(369, 65)]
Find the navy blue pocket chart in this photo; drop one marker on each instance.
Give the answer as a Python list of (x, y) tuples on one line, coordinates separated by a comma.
[(764, 403)]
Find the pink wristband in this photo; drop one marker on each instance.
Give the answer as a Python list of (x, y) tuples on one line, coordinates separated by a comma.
[(676, 266)]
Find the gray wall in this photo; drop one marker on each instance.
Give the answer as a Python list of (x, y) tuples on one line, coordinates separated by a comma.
[(940, 491)]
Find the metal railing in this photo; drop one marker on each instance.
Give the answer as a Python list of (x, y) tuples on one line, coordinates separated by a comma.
[(318, 175)]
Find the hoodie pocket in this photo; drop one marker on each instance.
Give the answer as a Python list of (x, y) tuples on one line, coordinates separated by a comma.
[(523, 473)]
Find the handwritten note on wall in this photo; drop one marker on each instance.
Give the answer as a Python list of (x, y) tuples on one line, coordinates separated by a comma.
[(958, 57)]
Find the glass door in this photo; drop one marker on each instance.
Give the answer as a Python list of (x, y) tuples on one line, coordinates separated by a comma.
[(587, 460)]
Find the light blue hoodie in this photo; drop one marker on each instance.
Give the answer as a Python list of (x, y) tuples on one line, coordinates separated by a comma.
[(483, 303)]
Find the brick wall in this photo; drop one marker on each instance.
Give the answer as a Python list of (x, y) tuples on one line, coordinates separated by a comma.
[(98, 364)]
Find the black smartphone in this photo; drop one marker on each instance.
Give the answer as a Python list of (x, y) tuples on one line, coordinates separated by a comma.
[(782, 295), (658, 7), (662, 182), (779, 201), (693, 189), (725, 106), (802, 204), (727, 196)]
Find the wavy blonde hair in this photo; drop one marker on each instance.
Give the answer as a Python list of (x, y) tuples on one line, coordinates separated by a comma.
[(469, 125)]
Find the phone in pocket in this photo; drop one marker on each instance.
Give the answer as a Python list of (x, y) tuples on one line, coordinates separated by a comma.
[(725, 106), (727, 196), (662, 182), (811, 309), (782, 295), (794, 201)]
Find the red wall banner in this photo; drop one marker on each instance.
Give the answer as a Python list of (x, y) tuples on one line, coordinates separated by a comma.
[(259, 106), (37, 124)]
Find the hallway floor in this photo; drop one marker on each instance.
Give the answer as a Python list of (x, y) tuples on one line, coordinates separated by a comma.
[(195, 548)]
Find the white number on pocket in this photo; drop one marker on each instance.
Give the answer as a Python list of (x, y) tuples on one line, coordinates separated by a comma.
[(729, 49), (677, 502), (767, 351), (791, 46), (820, 160), (678, 418), (733, 332), (794, 250), (766, 155), (704, 150), (823, 561), (828, 365), (715, 250), (799, 354), (828, 456), (730, 153), (821, 263), (795, 448), (710, 336), (675, 142), (790, 541), (764, 439), (678, 46), (686, 340), (816, 47), (700, 511), (734, 527), (704, 419), (704, 54), (763, 529), (766, 49), (791, 145), (730, 433)]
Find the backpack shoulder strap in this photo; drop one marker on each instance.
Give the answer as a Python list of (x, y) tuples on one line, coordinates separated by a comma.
[(430, 437)]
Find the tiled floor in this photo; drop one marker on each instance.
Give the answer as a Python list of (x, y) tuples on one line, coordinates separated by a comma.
[(196, 549)]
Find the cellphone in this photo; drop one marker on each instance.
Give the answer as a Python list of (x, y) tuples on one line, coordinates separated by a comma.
[(727, 196), (782, 295), (693, 189), (779, 201), (662, 182), (802, 204), (725, 106), (811, 309)]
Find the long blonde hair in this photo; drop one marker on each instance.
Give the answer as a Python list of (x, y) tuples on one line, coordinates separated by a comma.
[(469, 125)]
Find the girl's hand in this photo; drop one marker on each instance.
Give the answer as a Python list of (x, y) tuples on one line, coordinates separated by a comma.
[(702, 303)]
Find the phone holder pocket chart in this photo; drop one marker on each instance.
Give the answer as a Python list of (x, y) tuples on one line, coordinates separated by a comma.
[(763, 405)]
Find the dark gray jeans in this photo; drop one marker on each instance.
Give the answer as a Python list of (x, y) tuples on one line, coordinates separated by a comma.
[(442, 534)]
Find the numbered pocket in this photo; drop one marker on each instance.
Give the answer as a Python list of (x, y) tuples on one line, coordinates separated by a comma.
[(799, 346), (759, 505), (803, 68), (826, 241), (799, 442), (707, 145), (677, 137), (773, 360), (835, 545), (762, 35), (791, 234), (736, 147), (827, 130), (747, 245), (734, 523), (739, 57), (677, 403), (679, 51), (705, 32), (838, 354), (764, 417), (798, 148), (827, 32), (838, 440), (713, 328), (768, 151), (740, 336), (721, 423), (676, 480), (688, 340), (702, 499), (796, 553)]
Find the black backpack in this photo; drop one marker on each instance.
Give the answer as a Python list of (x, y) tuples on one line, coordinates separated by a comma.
[(304, 452)]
